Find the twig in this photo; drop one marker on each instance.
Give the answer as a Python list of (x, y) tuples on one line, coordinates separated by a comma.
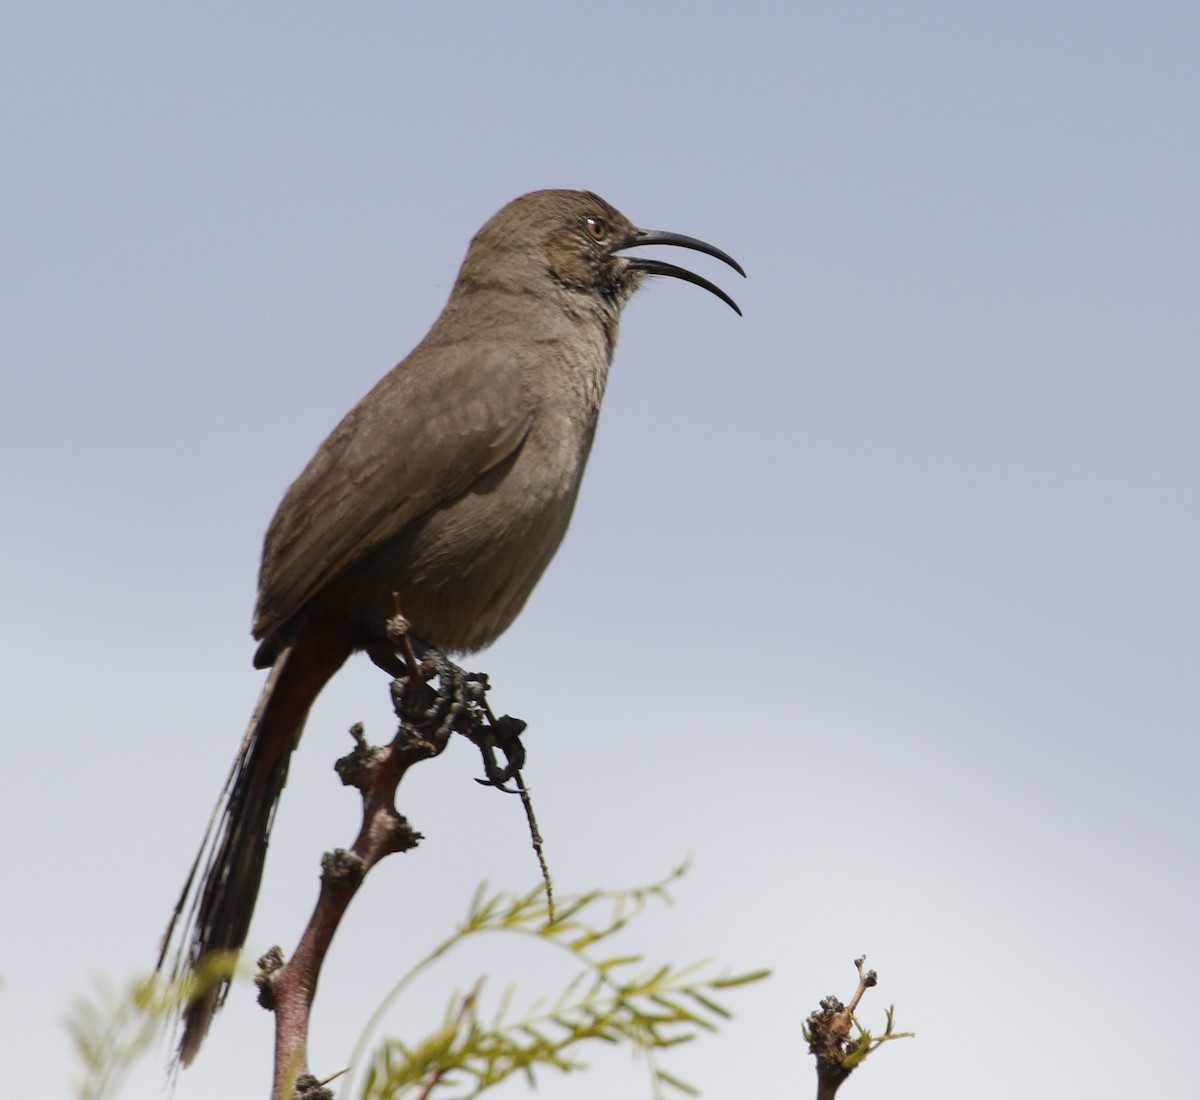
[(428, 718), (828, 1033), (436, 1077), (288, 988)]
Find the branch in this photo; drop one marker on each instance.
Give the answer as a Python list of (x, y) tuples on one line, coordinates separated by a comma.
[(288, 988), (828, 1034)]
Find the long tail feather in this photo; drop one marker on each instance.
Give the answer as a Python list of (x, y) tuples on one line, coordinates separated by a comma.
[(222, 887)]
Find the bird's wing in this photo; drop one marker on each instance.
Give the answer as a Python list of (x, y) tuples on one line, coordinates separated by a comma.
[(422, 436)]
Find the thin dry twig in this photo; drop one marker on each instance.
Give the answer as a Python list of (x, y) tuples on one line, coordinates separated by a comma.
[(828, 1031)]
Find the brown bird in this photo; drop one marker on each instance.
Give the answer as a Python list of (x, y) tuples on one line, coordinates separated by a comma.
[(444, 492)]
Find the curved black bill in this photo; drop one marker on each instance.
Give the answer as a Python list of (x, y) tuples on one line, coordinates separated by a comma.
[(656, 267)]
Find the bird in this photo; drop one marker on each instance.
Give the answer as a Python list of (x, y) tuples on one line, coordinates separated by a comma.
[(443, 494)]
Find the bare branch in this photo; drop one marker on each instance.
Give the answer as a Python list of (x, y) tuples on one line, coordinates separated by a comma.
[(428, 718), (828, 1032)]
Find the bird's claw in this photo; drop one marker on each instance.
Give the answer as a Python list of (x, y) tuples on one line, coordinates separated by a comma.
[(503, 734), (458, 704)]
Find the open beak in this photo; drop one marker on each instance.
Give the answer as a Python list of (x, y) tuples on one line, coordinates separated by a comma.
[(657, 267)]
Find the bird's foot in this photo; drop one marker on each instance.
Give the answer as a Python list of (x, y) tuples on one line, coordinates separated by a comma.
[(399, 632), (458, 704), (503, 733)]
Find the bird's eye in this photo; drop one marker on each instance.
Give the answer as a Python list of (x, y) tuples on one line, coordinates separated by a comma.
[(597, 228)]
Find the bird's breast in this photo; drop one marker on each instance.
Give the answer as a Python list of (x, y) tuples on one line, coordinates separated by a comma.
[(464, 571)]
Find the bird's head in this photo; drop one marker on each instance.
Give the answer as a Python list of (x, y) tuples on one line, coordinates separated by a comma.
[(576, 238)]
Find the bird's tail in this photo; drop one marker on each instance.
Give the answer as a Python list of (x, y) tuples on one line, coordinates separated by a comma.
[(216, 910)]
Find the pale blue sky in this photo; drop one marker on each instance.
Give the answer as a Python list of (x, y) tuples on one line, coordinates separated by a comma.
[(881, 601)]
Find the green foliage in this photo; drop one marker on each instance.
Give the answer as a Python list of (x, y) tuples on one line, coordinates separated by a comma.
[(113, 1030), (614, 999), (868, 1043)]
